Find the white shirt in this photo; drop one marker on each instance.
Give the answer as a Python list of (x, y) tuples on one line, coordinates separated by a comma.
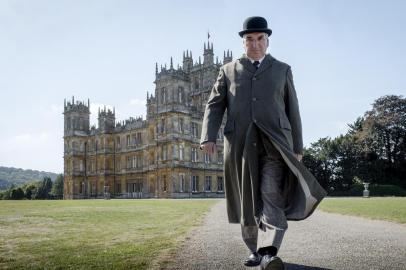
[(260, 60)]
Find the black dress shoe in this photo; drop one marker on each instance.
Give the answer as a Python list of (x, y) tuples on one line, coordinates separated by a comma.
[(269, 262), (253, 260)]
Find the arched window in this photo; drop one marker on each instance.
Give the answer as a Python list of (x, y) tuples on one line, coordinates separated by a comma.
[(180, 94)]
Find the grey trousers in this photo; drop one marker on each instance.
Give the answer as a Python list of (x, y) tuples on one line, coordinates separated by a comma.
[(273, 222)]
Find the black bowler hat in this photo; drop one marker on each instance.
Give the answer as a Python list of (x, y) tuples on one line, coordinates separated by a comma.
[(255, 24)]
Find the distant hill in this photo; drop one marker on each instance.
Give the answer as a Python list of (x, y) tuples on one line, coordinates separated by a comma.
[(9, 176)]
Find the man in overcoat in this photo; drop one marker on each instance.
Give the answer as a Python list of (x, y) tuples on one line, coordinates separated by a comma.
[(265, 182)]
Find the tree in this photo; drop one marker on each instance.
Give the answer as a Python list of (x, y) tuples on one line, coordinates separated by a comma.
[(57, 187), (44, 189), (17, 194), (30, 190), (382, 138)]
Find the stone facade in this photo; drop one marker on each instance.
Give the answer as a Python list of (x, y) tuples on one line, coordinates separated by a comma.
[(156, 157)]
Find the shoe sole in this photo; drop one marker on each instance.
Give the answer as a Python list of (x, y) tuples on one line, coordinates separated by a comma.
[(275, 264)]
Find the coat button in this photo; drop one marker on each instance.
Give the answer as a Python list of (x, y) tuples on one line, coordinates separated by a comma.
[(254, 144), (254, 99)]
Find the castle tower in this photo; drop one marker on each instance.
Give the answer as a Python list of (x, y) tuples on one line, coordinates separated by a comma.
[(187, 61), (228, 57), (107, 119), (208, 54), (76, 117)]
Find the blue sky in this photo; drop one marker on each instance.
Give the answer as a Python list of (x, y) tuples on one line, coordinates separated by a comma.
[(344, 55)]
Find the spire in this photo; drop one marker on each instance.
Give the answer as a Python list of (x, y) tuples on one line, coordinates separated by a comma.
[(73, 100), (156, 68), (88, 104), (64, 102), (171, 63)]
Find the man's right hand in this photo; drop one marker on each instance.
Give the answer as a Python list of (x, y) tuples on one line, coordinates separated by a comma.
[(208, 147)]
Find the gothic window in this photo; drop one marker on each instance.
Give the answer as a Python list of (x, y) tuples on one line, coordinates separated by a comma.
[(162, 125), (194, 154), (181, 152), (139, 161), (80, 123), (195, 183), (220, 183), (128, 140), (207, 158), (164, 150), (182, 182), (118, 142), (207, 186), (134, 162), (194, 129), (81, 165), (139, 138), (181, 124), (68, 124), (128, 162), (180, 94), (165, 184), (118, 165), (163, 95)]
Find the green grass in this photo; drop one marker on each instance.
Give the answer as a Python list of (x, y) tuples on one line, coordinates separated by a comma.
[(384, 208), (93, 234)]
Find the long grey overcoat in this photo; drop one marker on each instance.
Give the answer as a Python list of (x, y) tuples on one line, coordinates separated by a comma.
[(265, 100)]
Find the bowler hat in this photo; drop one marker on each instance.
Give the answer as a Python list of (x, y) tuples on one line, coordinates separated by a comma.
[(255, 24)]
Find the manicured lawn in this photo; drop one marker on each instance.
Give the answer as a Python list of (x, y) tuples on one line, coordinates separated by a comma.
[(93, 234), (384, 208)]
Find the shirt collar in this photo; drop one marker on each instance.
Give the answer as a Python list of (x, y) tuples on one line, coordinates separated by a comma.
[(260, 60)]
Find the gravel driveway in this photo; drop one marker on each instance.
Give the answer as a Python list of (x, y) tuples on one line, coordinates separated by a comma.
[(323, 241)]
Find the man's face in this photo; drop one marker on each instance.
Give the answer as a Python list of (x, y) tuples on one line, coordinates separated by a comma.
[(255, 45)]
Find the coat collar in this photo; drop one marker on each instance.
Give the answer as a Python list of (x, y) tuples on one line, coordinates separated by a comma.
[(265, 64)]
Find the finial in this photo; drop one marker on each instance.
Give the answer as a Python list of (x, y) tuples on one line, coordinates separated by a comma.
[(73, 100), (171, 63), (156, 68), (88, 103), (64, 102)]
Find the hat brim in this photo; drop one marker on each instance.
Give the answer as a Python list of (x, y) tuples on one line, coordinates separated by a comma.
[(258, 30)]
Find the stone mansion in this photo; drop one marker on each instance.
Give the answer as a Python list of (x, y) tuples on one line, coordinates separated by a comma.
[(156, 157)]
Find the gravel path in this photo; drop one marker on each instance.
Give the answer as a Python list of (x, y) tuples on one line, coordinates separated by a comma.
[(323, 241)]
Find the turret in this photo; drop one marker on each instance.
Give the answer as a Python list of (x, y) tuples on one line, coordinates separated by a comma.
[(76, 117), (187, 61), (208, 54), (227, 57), (107, 119)]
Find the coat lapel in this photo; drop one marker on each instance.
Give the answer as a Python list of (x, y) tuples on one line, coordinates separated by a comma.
[(266, 64)]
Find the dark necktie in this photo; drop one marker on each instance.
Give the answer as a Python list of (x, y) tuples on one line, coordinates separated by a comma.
[(256, 64)]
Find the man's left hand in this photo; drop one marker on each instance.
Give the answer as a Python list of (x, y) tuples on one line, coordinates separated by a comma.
[(299, 157)]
